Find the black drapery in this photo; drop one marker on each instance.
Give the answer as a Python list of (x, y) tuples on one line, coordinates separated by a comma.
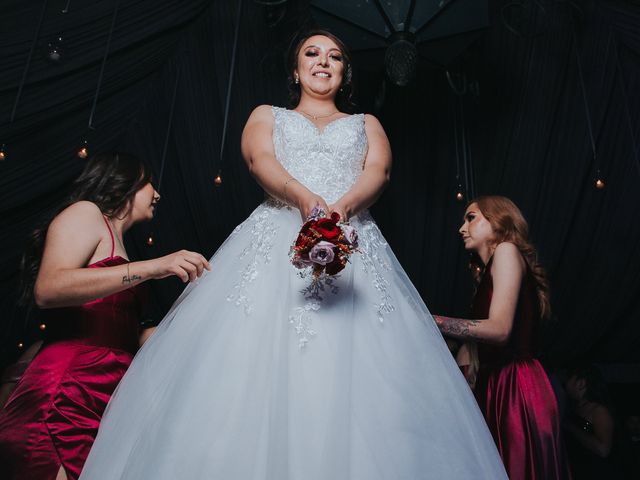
[(526, 126)]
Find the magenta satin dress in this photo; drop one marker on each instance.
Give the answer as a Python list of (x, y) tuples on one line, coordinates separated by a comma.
[(514, 392), (52, 417)]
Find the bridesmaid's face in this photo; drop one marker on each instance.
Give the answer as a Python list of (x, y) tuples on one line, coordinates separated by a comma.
[(144, 203), (320, 66), (476, 230)]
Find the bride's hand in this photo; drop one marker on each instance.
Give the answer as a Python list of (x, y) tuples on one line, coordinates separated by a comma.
[(311, 201), (340, 210)]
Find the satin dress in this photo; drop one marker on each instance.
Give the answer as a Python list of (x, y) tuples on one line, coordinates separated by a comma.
[(52, 417), (515, 394)]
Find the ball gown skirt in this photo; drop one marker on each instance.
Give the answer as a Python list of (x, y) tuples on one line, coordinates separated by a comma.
[(259, 374)]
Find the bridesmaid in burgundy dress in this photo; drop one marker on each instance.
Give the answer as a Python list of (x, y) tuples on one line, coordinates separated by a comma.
[(78, 268), (511, 299)]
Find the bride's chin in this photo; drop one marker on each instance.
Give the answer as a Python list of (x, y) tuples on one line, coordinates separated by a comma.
[(324, 92)]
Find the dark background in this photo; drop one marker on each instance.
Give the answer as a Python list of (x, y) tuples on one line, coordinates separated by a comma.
[(524, 118)]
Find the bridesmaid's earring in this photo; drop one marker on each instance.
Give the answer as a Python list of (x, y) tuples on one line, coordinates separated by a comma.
[(297, 79)]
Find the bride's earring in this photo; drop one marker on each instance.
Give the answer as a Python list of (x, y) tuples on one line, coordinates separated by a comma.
[(297, 80)]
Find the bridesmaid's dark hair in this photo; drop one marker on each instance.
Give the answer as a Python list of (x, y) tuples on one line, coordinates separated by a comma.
[(344, 97), (110, 181)]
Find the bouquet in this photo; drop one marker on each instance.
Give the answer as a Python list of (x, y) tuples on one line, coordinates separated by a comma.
[(324, 244)]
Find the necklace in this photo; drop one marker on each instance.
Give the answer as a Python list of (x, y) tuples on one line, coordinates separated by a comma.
[(316, 117)]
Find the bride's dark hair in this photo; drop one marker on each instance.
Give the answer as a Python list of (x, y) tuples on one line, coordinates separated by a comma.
[(344, 97), (109, 180)]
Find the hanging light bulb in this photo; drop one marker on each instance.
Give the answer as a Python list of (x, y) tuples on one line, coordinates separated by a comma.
[(83, 151), (150, 240), (218, 180), (43, 327), (2, 154), (20, 345), (599, 180), (459, 194)]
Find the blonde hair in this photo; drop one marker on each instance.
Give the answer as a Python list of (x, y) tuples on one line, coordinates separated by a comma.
[(509, 225)]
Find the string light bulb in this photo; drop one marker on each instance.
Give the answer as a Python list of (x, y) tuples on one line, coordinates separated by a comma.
[(459, 195), (83, 151), (2, 154), (599, 184), (150, 240), (218, 180), (43, 326), (20, 345)]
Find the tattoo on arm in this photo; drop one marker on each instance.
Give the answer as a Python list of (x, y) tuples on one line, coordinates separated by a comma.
[(129, 279), (457, 327)]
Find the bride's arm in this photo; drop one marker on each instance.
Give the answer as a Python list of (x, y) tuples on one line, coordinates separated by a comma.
[(259, 155), (375, 175), (507, 271)]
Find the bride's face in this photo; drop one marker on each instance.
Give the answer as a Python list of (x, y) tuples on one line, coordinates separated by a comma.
[(320, 66)]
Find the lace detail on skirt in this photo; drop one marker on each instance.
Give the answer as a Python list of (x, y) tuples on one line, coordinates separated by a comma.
[(263, 232), (372, 243), (302, 317)]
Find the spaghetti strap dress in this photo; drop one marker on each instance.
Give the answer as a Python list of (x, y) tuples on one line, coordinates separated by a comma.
[(52, 417)]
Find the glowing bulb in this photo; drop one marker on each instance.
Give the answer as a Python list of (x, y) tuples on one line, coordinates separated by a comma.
[(83, 151), (43, 326), (459, 196), (2, 155), (150, 240), (20, 345), (599, 184), (218, 180)]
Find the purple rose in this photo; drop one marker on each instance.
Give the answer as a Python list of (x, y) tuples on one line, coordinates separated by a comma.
[(350, 234), (300, 262), (322, 253)]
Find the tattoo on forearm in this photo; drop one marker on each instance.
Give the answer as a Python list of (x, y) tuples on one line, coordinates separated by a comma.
[(458, 327), (129, 279)]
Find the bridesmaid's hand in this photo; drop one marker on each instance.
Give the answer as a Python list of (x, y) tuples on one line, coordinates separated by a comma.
[(187, 266)]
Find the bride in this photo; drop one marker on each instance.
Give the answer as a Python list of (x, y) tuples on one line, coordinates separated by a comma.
[(259, 373)]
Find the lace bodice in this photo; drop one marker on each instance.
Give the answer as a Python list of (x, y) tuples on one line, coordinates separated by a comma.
[(327, 161)]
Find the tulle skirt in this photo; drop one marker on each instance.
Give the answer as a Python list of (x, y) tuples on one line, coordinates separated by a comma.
[(257, 373)]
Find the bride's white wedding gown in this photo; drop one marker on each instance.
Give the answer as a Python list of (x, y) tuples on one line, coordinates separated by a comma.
[(254, 376)]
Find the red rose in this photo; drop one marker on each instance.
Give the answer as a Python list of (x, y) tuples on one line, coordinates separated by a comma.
[(335, 267), (328, 229)]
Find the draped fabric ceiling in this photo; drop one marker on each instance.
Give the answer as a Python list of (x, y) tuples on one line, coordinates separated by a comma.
[(526, 127)]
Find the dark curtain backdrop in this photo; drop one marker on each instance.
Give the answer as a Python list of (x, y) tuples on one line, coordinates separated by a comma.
[(525, 123)]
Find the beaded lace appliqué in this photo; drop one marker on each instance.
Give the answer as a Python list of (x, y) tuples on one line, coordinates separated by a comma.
[(302, 317), (263, 231), (371, 243)]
